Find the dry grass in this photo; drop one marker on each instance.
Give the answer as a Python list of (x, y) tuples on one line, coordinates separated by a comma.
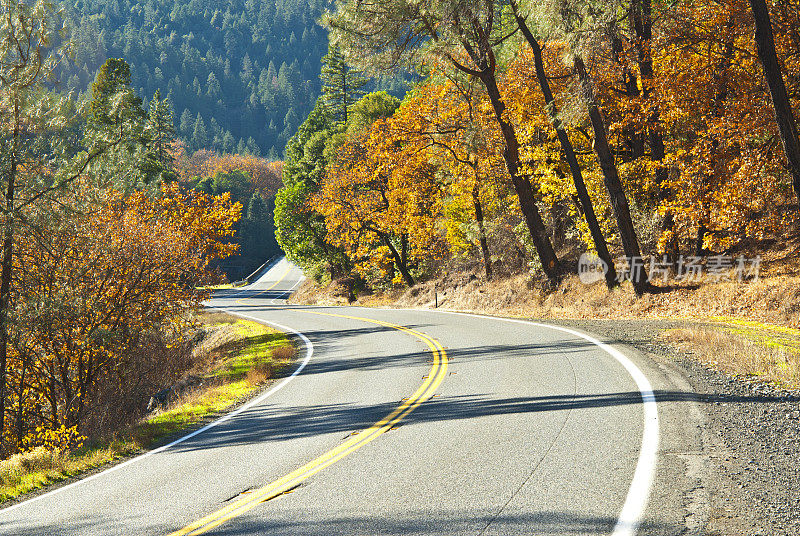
[(15, 470), (233, 360), (211, 317), (739, 356), (283, 353), (37, 468), (461, 285), (774, 300)]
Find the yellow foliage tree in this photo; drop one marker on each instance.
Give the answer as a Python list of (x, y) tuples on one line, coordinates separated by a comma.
[(379, 200), (90, 293), (452, 121)]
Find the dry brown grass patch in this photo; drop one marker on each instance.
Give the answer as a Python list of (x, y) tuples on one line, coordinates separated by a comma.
[(735, 355), (283, 353), (215, 317)]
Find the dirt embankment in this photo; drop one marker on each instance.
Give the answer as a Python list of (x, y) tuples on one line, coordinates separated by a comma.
[(773, 299)]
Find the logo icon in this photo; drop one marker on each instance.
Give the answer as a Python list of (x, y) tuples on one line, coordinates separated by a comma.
[(591, 268)]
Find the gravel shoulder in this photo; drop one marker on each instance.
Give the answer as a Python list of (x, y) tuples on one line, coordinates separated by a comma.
[(750, 478)]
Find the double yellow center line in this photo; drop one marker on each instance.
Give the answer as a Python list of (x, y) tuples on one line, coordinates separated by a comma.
[(252, 499)]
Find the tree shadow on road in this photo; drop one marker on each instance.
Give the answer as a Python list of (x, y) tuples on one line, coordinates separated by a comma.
[(438, 522), (279, 423), (308, 522)]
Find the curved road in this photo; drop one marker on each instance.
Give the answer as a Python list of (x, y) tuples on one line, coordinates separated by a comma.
[(404, 422)]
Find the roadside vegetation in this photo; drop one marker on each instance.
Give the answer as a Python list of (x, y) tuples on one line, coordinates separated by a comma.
[(752, 351), (656, 140), (654, 136), (232, 359)]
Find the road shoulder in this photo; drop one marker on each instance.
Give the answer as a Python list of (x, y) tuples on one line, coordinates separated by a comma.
[(729, 448)]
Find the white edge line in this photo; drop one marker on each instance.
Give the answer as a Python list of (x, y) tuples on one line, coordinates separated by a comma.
[(271, 391), (633, 509)]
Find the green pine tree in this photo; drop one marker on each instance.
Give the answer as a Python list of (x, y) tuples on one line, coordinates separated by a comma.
[(200, 134), (341, 85), (160, 132), (256, 208), (114, 103), (116, 113)]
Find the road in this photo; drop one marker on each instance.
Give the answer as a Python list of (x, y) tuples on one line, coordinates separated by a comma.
[(404, 422)]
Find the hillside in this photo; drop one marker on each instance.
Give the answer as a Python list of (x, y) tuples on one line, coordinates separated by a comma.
[(240, 75)]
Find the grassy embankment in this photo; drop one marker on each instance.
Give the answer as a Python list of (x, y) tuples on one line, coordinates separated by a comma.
[(745, 349), (235, 359)]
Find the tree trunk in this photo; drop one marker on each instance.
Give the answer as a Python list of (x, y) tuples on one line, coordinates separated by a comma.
[(404, 249), (487, 258), (20, 418), (522, 186), (699, 250), (397, 259), (6, 266), (765, 41), (5, 306), (569, 153), (616, 192)]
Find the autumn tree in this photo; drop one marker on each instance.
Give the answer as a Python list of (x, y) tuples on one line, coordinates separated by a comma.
[(265, 176), (728, 179), (587, 205), (585, 28), (91, 291), (378, 201), (452, 122), (467, 35), (34, 135)]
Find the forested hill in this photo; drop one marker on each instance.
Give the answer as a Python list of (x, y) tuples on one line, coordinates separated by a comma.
[(241, 75)]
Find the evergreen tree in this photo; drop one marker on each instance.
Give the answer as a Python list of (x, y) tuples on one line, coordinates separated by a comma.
[(200, 134), (301, 233), (115, 112), (256, 208), (113, 101), (160, 132), (187, 123), (213, 88), (341, 85)]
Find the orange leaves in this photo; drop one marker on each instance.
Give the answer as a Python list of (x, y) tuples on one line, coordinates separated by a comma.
[(94, 288), (453, 123), (728, 172), (265, 175), (380, 189)]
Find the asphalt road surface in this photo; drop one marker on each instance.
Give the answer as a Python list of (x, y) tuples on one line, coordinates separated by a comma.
[(406, 422)]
